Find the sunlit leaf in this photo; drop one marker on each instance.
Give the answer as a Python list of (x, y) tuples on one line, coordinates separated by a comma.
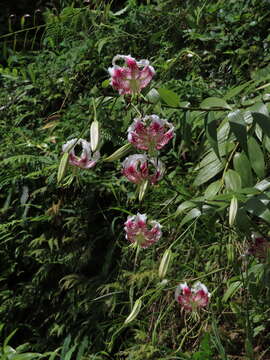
[(169, 97), (212, 189), (193, 214), (233, 180), (232, 289), (214, 102), (236, 90)]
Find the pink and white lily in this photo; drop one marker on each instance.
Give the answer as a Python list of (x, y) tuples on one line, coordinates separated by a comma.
[(138, 168), (142, 232), (132, 77), (85, 160), (259, 247), (192, 298), (150, 133)]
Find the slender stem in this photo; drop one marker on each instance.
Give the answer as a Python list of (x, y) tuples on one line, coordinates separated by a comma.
[(131, 290)]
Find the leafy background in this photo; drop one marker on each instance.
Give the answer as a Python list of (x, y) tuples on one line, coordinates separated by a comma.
[(68, 277)]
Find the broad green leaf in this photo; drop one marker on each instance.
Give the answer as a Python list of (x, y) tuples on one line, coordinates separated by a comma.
[(184, 206), (242, 220), (169, 97), (266, 143), (256, 157), (212, 189), (208, 172), (209, 167), (261, 74), (209, 157), (233, 180), (238, 127), (263, 185), (214, 102), (235, 286), (236, 90), (233, 210), (247, 116), (242, 166), (260, 108), (258, 206), (211, 131), (193, 214), (62, 167), (263, 121)]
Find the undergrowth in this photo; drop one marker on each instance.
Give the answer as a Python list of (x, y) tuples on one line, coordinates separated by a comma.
[(66, 270)]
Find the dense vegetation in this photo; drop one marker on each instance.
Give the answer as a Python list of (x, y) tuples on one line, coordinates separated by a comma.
[(68, 277)]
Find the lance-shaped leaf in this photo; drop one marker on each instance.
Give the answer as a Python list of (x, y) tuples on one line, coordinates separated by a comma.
[(214, 102), (169, 97), (256, 157), (119, 153), (258, 206), (94, 135), (263, 121), (192, 214), (238, 127), (235, 286), (233, 180), (62, 167), (212, 189), (236, 90), (134, 312), (210, 168), (242, 166), (211, 131)]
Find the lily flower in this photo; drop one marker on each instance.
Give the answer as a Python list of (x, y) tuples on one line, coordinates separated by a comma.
[(192, 298), (138, 168), (85, 160), (142, 232), (259, 247), (132, 77), (150, 133)]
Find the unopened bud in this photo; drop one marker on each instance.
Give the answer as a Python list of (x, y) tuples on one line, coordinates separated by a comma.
[(94, 135), (164, 264), (118, 154), (135, 311)]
